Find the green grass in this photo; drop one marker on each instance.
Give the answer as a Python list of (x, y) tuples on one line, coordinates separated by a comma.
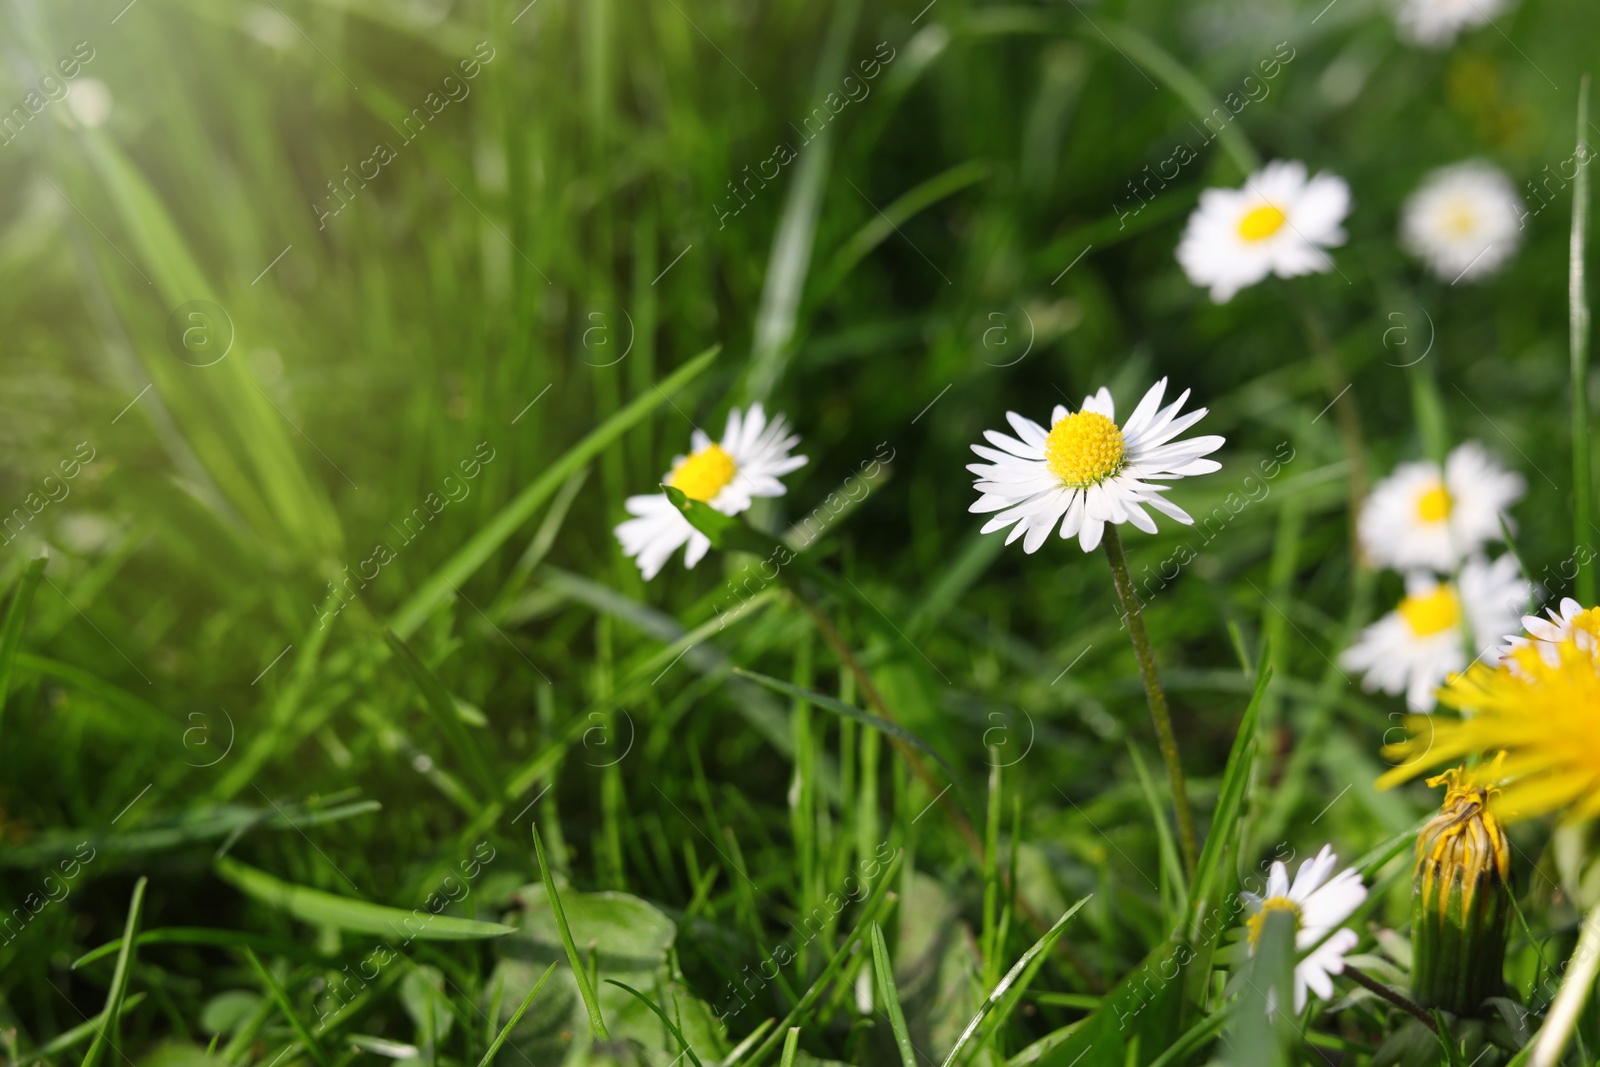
[(328, 625)]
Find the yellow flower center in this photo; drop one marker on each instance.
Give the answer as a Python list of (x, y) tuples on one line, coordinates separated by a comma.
[(1084, 448), (1587, 622), (1460, 220), (1431, 613), (1254, 924), (703, 475), (1435, 505), (1262, 222)]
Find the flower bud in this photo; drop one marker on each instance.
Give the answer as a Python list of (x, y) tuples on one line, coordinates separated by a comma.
[(1461, 898)]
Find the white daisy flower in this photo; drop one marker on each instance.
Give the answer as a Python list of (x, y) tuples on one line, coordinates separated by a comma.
[(1086, 471), (1464, 221), (1422, 517), (1570, 622), (1319, 905), (1424, 640), (1435, 23), (729, 475), (1279, 223)]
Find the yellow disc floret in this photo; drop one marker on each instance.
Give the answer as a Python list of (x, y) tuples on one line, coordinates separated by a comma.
[(1262, 222), (703, 475), (1435, 505), (1084, 449), (1460, 219), (1254, 924), (1433, 612)]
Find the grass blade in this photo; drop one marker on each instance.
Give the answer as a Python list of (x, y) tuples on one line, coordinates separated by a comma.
[(203, 935), (111, 1016), (78, 1034), (671, 1026), (797, 227), (16, 615), (791, 1047), (494, 533), (839, 707), (597, 1022), (869, 909), (1003, 999), (1191, 90), (443, 706), (348, 913), (1230, 800), (301, 1033), (516, 1017), (1578, 313), (891, 998)]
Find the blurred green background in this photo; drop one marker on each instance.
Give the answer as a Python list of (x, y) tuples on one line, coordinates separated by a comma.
[(512, 279)]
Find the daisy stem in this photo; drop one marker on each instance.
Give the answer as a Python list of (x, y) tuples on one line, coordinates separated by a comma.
[(1578, 309), (1404, 1003), (1153, 692)]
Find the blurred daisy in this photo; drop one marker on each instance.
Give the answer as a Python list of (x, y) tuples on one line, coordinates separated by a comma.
[(1545, 716), (1086, 470), (1435, 23), (89, 101), (1570, 622), (1279, 223), (1423, 641), (1319, 905), (1422, 517), (1464, 221), (752, 455)]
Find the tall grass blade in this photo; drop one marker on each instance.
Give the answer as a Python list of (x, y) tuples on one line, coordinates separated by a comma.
[(580, 972), (11, 630), (1004, 997), (110, 1017), (797, 227), (443, 707), (307, 1039), (433, 590), (516, 1017), (666, 1020), (1578, 313), (318, 908), (884, 968)]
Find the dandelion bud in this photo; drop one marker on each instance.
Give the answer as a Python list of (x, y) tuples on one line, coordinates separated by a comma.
[(1461, 898)]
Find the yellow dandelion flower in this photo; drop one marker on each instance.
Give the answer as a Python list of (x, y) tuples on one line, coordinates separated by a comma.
[(1542, 711)]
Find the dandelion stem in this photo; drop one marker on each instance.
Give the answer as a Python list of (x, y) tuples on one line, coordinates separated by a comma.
[(1562, 1018), (1578, 309), (1152, 690), (1404, 1003)]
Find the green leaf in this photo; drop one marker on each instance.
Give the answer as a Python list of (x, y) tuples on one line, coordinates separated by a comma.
[(1262, 1026), (494, 533), (725, 531), (347, 913), (585, 988), (111, 1015)]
